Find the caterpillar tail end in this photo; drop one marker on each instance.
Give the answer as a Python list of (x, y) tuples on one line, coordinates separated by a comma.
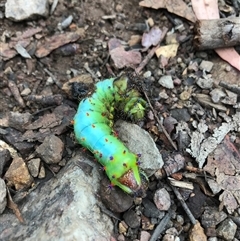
[(129, 184)]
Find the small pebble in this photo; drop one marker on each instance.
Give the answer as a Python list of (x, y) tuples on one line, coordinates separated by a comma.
[(206, 65), (42, 173), (180, 28), (217, 95), (25, 92), (119, 26), (162, 199), (150, 22), (145, 236), (34, 166), (179, 60), (163, 95), (180, 219), (134, 39), (193, 66), (119, 8), (147, 74), (213, 239), (177, 82), (168, 237), (51, 149), (205, 83), (132, 219), (121, 237), (185, 95), (49, 81), (122, 227), (166, 81), (65, 23), (228, 68)]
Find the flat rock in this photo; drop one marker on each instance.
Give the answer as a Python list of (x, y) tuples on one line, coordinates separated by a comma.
[(140, 142), (18, 10), (63, 208)]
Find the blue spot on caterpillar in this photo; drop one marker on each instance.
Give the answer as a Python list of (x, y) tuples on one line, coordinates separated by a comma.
[(93, 129)]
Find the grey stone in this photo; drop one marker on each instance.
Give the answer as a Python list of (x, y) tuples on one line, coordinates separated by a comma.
[(166, 81), (64, 208), (206, 65), (115, 200), (132, 219), (212, 217), (217, 95), (51, 149), (18, 10), (227, 229), (18, 120), (162, 199), (151, 211), (140, 142), (147, 74), (205, 83), (34, 166), (215, 187), (3, 193)]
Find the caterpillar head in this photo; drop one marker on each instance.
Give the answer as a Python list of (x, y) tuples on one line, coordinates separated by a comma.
[(132, 184)]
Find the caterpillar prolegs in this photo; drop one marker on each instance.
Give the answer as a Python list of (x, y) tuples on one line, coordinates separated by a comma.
[(93, 124)]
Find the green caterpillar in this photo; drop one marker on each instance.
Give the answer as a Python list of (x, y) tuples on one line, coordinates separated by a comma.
[(93, 124)]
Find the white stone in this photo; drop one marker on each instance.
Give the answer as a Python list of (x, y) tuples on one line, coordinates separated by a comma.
[(166, 81), (18, 10)]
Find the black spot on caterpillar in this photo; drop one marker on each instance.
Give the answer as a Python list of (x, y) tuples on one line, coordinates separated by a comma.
[(93, 129)]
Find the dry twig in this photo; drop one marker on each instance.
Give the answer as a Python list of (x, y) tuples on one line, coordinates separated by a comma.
[(159, 122)]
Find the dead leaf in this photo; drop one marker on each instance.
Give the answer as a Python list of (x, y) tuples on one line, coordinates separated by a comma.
[(12, 205), (27, 33), (122, 58), (177, 7), (224, 164), (55, 42), (168, 51), (152, 37), (201, 147)]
